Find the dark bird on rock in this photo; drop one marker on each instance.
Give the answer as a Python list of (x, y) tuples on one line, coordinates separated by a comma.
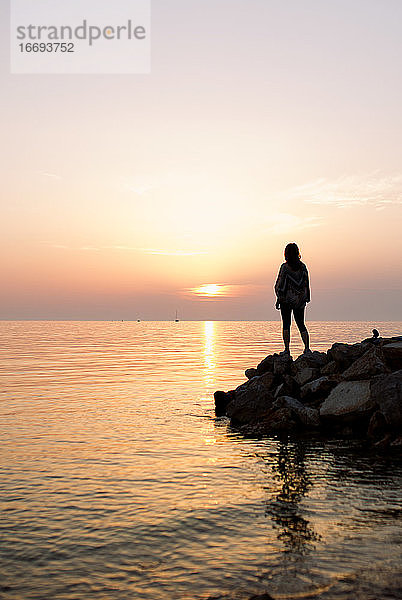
[(375, 333)]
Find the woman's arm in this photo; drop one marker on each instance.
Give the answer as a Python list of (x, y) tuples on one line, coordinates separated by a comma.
[(308, 296), (279, 282)]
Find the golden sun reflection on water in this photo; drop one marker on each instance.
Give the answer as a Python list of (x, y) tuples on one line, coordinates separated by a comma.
[(209, 352)]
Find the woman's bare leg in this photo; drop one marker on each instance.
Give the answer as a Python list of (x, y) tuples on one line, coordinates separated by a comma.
[(306, 339), (286, 339), (299, 318)]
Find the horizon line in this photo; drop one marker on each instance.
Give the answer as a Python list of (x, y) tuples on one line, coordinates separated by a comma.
[(195, 320)]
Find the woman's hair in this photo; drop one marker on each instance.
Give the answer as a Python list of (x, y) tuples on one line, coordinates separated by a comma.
[(292, 256)]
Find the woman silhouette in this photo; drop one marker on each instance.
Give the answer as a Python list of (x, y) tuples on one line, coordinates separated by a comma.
[(293, 291)]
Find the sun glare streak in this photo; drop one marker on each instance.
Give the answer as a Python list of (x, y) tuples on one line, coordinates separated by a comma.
[(209, 352)]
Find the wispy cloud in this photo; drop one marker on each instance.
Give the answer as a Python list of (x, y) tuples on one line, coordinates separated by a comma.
[(141, 183), (66, 247), (48, 175), (162, 252), (158, 251), (140, 190), (123, 248), (373, 189), (280, 223)]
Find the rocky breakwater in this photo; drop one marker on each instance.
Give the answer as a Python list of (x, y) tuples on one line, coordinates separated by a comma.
[(352, 389)]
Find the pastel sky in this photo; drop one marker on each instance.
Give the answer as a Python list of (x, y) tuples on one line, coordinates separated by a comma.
[(262, 122)]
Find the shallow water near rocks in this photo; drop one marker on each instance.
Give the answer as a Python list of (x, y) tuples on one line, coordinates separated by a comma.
[(117, 481)]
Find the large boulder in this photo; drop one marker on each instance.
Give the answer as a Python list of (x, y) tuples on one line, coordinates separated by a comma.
[(370, 364), (386, 392), (304, 374), (287, 387), (349, 399), (315, 359), (268, 380), (330, 368), (345, 354), (250, 402), (318, 388), (280, 420), (282, 364), (285, 415), (222, 400), (307, 367), (267, 364), (308, 417), (393, 354), (250, 373), (279, 364)]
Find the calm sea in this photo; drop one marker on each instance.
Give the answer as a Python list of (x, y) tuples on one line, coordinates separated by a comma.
[(117, 482)]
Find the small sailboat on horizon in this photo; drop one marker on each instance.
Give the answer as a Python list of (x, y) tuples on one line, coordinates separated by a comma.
[(176, 318)]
